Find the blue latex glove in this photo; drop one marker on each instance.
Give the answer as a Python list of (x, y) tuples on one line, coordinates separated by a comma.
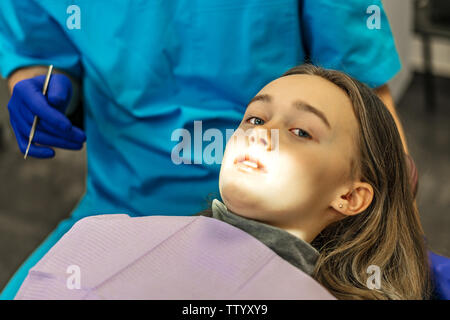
[(53, 129)]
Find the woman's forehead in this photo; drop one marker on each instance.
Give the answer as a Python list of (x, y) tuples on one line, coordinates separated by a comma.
[(315, 91), (306, 86)]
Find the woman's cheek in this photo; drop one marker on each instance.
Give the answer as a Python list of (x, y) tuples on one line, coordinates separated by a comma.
[(294, 177)]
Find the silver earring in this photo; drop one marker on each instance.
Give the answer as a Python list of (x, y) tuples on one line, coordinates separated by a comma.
[(340, 205)]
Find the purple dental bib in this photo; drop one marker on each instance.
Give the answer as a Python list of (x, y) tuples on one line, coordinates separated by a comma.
[(164, 257)]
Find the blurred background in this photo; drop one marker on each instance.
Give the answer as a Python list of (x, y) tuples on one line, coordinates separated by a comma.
[(38, 193)]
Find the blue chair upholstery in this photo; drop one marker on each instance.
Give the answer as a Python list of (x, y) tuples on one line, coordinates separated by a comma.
[(440, 267)]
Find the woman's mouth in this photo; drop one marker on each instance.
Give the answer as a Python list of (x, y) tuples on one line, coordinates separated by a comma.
[(248, 163)]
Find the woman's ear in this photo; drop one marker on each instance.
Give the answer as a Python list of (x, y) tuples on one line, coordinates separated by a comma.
[(354, 201)]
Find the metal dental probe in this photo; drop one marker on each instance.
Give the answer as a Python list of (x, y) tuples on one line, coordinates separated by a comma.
[(33, 127)]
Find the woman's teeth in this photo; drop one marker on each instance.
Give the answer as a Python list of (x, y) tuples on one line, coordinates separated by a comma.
[(250, 164)]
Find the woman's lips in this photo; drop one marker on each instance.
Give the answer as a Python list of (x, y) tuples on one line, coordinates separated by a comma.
[(250, 163)]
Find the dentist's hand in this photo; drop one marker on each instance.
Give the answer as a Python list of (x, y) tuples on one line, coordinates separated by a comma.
[(53, 129)]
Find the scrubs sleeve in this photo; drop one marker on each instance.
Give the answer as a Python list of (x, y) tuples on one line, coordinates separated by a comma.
[(30, 36), (341, 35)]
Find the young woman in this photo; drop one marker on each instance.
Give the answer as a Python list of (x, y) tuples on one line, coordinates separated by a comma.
[(338, 180), (316, 172)]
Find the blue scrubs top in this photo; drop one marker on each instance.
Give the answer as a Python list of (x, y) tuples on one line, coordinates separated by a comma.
[(151, 67)]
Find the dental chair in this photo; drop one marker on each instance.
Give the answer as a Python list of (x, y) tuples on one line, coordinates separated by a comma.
[(440, 268)]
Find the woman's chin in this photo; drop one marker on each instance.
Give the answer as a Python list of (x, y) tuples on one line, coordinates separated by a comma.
[(240, 199)]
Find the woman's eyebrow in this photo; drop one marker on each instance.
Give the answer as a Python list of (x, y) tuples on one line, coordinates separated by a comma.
[(298, 104)]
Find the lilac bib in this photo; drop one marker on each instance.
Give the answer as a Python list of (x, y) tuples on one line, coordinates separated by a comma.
[(164, 257)]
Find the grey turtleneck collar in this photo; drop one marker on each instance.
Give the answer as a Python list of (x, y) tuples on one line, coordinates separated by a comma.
[(289, 247)]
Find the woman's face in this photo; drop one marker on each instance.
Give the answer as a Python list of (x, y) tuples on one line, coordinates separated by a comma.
[(291, 154)]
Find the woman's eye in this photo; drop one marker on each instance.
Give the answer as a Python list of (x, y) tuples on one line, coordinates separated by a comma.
[(256, 121), (297, 131), (301, 133)]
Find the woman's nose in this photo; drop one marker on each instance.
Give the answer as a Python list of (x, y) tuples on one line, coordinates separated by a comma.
[(260, 137)]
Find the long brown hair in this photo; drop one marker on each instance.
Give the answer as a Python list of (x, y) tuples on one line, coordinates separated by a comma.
[(388, 234)]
